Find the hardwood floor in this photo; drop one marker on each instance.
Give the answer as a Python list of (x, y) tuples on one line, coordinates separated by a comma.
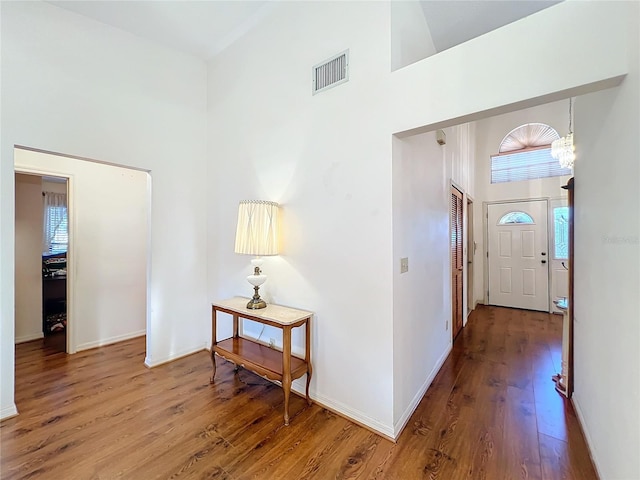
[(491, 413)]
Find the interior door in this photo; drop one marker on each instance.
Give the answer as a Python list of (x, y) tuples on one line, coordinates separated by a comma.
[(456, 260), (518, 258)]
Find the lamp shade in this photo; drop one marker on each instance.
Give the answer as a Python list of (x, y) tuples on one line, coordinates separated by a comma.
[(257, 231)]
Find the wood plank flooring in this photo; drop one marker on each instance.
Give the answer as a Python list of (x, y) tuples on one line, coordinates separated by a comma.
[(491, 413)]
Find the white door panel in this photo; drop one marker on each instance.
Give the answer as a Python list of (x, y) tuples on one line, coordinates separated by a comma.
[(561, 287), (528, 281), (505, 280), (518, 257), (505, 244), (528, 244)]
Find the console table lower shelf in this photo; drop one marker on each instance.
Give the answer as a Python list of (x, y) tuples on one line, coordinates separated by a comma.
[(258, 358), (272, 364)]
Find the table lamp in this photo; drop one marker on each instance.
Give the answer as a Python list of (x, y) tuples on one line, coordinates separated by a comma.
[(257, 234)]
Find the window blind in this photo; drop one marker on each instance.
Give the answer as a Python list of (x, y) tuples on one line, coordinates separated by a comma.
[(527, 165)]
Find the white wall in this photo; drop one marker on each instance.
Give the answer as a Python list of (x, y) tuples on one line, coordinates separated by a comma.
[(28, 270), (489, 134), (422, 296), (79, 87), (607, 268), (56, 187), (325, 158), (108, 247), (410, 35)]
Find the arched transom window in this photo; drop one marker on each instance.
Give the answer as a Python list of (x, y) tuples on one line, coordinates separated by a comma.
[(525, 154)]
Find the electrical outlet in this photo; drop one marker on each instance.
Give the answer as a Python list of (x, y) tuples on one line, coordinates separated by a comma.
[(272, 343), (404, 265)]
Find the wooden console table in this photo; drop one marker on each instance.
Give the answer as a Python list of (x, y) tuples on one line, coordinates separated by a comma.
[(272, 364)]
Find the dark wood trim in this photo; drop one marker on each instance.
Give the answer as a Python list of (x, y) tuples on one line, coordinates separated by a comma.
[(570, 186)]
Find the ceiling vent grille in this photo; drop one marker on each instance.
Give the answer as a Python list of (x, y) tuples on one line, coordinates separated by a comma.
[(331, 72)]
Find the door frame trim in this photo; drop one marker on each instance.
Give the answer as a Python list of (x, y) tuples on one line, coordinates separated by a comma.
[(553, 203), (469, 228), (465, 253), (463, 307), (71, 254)]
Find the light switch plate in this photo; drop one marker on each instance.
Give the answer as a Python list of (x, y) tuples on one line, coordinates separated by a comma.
[(404, 265)]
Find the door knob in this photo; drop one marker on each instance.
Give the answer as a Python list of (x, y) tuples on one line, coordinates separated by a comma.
[(543, 261)]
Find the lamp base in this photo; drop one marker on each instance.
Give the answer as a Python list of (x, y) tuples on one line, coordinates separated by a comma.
[(256, 302)]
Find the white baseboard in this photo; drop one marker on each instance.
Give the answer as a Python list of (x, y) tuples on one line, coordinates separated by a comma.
[(28, 338), (402, 421), (110, 340), (149, 363), (299, 386), (347, 412), (8, 412), (587, 437)]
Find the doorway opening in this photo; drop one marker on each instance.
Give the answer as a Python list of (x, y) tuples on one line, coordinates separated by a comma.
[(55, 245), (41, 246)]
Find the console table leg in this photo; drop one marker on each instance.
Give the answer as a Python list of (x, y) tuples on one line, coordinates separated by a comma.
[(214, 340), (286, 386), (308, 382), (286, 370), (307, 356), (213, 361)]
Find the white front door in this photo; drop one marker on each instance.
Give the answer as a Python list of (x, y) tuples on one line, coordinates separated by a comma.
[(518, 258)]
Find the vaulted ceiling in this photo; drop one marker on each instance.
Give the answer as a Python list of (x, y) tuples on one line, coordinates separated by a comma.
[(201, 28), (205, 28), (452, 22)]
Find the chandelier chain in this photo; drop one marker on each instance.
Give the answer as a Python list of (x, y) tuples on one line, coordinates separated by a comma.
[(570, 114)]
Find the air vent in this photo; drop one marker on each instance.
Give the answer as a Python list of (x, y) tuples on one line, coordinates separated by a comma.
[(331, 72)]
